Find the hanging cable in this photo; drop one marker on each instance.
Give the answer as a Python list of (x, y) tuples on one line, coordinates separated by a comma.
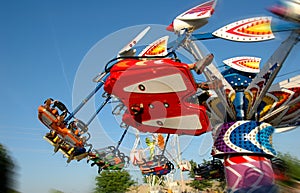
[(122, 137), (294, 71), (107, 67)]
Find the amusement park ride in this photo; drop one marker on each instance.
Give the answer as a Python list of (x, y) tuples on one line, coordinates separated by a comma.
[(240, 105)]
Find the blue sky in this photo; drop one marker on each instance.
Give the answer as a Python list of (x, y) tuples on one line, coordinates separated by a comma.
[(45, 46)]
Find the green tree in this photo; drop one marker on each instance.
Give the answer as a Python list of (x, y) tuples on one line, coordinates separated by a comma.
[(6, 171), (113, 182), (198, 184)]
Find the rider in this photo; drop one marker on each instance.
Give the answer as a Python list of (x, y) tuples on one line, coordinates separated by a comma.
[(48, 104), (52, 105), (73, 127)]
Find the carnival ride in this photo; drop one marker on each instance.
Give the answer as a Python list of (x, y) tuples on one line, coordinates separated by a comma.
[(108, 158), (213, 169), (158, 94), (71, 138)]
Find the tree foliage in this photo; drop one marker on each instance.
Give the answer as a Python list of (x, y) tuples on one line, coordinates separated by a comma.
[(113, 182), (293, 165), (6, 171), (293, 168)]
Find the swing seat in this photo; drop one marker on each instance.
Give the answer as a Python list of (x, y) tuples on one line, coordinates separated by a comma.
[(72, 153), (103, 154), (157, 95), (53, 118), (108, 158), (156, 167), (52, 138), (211, 170)]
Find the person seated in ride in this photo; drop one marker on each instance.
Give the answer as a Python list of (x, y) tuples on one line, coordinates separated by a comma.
[(104, 166), (97, 160), (112, 158), (53, 137), (53, 106), (60, 120), (79, 151), (74, 129), (119, 163), (48, 104)]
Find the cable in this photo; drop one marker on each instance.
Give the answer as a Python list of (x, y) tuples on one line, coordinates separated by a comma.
[(288, 73), (107, 68)]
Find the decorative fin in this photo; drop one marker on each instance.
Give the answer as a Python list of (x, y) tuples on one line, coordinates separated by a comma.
[(285, 129), (247, 30), (285, 111), (157, 48), (255, 92), (244, 63), (133, 42), (226, 93), (202, 11), (193, 18)]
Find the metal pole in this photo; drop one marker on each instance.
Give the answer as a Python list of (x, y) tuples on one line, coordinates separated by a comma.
[(179, 157), (84, 101), (98, 110), (122, 137), (168, 136)]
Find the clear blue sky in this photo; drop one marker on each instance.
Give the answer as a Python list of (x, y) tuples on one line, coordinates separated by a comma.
[(44, 44)]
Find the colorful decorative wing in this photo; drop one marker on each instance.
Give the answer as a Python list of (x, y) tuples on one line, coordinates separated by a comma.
[(283, 111), (201, 11), (226, 93), (216, 110), (157, 48), (247, 30), (133, 42), (193, 18), (244, 63), (255, 92)]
